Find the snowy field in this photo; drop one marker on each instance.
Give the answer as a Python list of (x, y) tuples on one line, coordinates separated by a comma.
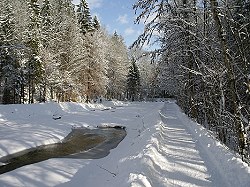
[(162, 147)]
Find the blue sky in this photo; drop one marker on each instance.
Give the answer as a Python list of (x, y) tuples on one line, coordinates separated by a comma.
[(116, 15)]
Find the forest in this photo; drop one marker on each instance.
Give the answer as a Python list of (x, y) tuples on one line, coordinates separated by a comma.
[(54, 50), (203, 61)]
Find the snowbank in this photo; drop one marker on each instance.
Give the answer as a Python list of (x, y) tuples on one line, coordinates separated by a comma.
[(159, 150)]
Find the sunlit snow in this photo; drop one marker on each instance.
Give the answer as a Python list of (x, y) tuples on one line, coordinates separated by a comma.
[(163, 147)]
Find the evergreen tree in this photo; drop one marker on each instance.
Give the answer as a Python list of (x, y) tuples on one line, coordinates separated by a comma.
[(150, 82), (34, 67), (46, 22), (46, 36), (63, 52), (84, 17), (9, 65), (96, 23), (91, 69), (133, 81)]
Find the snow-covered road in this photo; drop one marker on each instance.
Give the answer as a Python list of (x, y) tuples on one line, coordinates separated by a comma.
[(163, 147)]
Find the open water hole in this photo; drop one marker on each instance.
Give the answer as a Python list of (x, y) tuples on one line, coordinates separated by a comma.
[(81, 143)]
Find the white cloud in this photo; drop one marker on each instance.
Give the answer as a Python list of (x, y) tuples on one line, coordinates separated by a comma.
[(95, 4), (129, 31), (123, 19)]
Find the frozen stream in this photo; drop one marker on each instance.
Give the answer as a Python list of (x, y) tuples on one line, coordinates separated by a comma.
[(81, 143)]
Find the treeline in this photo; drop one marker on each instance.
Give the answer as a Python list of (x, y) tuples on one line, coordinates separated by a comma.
[(204, 61), (54, 50)]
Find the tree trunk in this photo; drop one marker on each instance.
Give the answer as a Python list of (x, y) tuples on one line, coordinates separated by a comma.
[(230, 75)]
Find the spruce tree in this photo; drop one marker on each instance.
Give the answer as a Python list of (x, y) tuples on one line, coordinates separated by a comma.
[(9, 66), (133, 81), (34, 65), (84, 17), (96, 23), (46, 37), (46, 22)]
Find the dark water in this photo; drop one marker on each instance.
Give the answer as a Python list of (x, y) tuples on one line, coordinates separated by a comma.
[(81, 143)]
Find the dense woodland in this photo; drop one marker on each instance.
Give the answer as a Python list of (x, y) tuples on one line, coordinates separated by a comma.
[(53, 50), (204, 61)]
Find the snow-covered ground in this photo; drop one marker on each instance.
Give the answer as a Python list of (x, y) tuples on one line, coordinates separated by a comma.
[(163, 147)]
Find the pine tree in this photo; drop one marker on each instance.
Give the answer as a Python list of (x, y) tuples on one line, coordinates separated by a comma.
[(133, 81)]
